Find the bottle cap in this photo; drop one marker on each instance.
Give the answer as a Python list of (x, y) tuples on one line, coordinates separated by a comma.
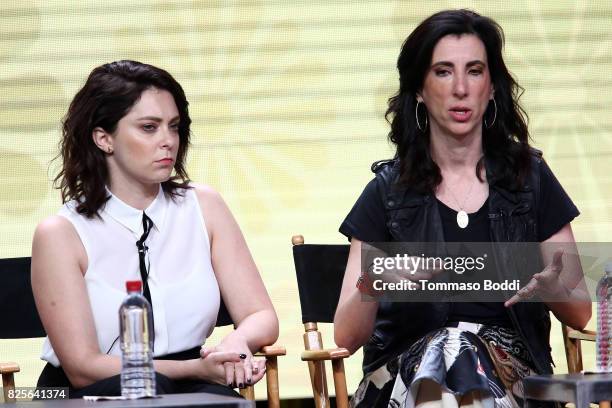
[(133, 286)]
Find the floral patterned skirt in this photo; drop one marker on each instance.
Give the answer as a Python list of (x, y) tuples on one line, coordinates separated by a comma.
[(471, 357)]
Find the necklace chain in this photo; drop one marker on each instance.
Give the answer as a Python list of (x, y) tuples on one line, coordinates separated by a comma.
[(461, 206), (462, 216)]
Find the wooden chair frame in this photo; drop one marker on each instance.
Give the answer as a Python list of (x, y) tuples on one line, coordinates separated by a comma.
[(573, 349), (316, 355), (572, 340), (271, 354)]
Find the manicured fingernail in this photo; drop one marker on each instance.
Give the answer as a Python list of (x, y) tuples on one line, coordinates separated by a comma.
[(249, 380), (241, 385), (242, 356)]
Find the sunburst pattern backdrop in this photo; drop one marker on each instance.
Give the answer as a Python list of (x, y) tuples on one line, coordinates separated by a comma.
[(288, 99)]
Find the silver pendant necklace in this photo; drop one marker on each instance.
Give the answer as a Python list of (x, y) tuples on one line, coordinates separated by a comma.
[(462, 219), (462, 216)]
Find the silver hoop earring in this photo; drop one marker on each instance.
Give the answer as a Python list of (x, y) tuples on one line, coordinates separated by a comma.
[(416, 115), (489, 126)]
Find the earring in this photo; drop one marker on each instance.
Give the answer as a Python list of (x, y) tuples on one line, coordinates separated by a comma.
[(416, 115), (489, 126)]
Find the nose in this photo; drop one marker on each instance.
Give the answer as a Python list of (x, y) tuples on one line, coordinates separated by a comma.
[(460, 88), (170, 138)]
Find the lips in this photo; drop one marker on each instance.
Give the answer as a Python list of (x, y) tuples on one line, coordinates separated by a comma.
[(165, 161), (460, 113)]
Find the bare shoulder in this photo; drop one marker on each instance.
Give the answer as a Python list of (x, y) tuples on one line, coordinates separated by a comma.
[(211, 202), (206, 194), (56, 235), (53, 228), (217, 214)]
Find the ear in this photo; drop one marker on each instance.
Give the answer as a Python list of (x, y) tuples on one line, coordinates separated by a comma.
[(419, 98), (103, 140)]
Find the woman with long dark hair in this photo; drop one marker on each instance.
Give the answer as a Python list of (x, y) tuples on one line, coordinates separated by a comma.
[(463, 172), (131, 213)]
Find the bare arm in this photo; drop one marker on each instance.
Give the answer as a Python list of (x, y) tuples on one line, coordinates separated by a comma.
[(354, 319), (576, 312), (59, 262), (561, 284), (239, 281)]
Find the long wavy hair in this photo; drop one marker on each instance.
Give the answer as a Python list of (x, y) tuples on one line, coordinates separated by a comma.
[(108, 94), (506, 142)]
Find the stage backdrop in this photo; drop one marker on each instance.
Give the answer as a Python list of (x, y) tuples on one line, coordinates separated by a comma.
[(287, 100)]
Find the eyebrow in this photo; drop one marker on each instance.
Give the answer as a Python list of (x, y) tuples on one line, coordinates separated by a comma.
[(157, 119), (450, 64)]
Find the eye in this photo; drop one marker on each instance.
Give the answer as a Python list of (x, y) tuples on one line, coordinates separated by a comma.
[(442, 72), (475, 71), (149, 127), (175, 126)]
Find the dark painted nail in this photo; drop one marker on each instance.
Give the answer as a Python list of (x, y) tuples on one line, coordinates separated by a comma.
[(242, 356), (249, 380), (241, 385)]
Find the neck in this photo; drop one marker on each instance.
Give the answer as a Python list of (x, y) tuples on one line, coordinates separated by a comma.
[(135, 195), (456, 153)]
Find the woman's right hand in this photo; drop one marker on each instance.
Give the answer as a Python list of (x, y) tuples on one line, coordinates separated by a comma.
[(248, 371), (212, 369), (223, 367)]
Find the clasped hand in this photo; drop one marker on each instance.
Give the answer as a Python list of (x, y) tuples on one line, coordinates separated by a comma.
[(233, 362)]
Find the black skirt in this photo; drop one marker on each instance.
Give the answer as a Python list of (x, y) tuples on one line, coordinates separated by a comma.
[(55, 377)]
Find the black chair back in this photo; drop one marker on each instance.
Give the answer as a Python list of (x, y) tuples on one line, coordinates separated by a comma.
[(319, 269), (223, 318), (18, 315)]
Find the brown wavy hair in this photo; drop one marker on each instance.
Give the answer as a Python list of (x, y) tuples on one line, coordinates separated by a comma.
[(107, 96)]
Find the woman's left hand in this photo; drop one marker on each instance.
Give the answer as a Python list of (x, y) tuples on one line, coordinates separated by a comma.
[(248, 372), (546, 284)]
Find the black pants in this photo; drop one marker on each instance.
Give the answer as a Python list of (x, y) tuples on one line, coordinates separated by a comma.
[(56, 377)]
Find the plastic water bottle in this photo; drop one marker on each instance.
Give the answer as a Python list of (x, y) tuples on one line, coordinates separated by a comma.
[(603, 339), (137, 336)]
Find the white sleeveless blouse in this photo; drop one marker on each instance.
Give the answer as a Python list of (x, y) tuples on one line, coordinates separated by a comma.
[(184, 290)]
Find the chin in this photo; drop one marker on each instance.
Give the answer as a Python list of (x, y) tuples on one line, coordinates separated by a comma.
[(161, 178), (462, 129)]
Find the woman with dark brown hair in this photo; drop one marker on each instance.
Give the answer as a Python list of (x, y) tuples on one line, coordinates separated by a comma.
[(130, 213), (463, 172)]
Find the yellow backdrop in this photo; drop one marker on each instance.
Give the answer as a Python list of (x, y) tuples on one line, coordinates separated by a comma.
[(287, 99)]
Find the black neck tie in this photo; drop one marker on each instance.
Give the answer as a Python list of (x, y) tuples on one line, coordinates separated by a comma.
[(142, 253)]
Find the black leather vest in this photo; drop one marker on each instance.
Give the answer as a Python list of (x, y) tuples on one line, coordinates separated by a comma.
[(413, 217)]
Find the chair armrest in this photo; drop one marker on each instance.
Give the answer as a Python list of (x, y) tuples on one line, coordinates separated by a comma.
[(9, 368), (326, 354), (271, 351), (588, 335)]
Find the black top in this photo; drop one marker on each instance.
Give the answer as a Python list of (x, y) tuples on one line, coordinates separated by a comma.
[(477, 230), (366, 222)]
